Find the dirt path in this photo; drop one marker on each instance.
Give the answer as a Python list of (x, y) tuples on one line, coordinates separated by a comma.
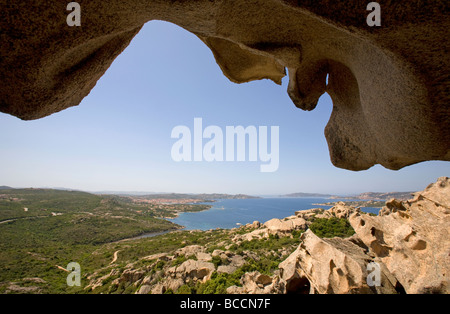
[(62, 268), (14, 219), (115, 257)]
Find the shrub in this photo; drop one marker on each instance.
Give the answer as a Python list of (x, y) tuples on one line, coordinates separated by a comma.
[(179, 260), (219, 283), (332, 227), (184, 289)]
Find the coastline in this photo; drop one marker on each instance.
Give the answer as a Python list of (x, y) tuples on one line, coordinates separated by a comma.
[(150, 234), (178, 212), (356, 203)]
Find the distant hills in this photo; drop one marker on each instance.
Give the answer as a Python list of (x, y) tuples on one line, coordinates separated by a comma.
[(301, 194), (155, 195), (197, 196), (373, 196), (403, 196)]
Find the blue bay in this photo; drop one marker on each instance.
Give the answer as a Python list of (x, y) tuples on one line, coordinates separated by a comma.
[(230, 213)]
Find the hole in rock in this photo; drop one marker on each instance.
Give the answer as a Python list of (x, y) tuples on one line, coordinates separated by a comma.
[(298, 286)]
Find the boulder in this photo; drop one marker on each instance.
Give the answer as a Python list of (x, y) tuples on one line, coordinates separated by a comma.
[(227, 269), (285, 226), (235, 290), (339, 210), (293, 277), (159, 288), (219, 253), (237, 261), (195, 270), (158, 256), (144, 289), (203, 257), (329, 266), (309, 213), (395, 75), (255, 234), (412, 238), (256, 283), (132, 275), (190, 250), (174, 284)]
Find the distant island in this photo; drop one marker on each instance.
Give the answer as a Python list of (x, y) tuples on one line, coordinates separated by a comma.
[(368, 196), (376, 196), (199, 197), (153, 195), (301, 194)]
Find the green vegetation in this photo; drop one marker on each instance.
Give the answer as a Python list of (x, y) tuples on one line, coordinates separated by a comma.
[(42, 231), (273, 243), (332, 227), (218, 283), (218, 261)]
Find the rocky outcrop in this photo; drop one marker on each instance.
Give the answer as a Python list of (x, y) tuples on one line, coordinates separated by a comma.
[(329, 266), (403, 249), (25, 286), (285, 226), (256, 283), (273, 227), (408, 240), (389, 84), (190, 250), (340, 210), (412, 238), (192, 270)]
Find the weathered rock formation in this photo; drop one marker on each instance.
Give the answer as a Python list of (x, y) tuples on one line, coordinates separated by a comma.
[(404, 249), (412, 238), (275, 227), (285, 226), (257, 283), (340, 210), (409, 240), (389, 84), (330, 266)]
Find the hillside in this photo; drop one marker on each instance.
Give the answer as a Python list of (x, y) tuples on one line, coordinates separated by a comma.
[(311, 251), (385, 196), (43, 228), (47, 229)]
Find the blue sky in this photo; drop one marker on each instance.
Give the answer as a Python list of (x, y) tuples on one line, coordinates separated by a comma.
[(119, 137)]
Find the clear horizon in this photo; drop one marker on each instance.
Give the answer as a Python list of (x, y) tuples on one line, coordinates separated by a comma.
[(119, 137), (138, 193)]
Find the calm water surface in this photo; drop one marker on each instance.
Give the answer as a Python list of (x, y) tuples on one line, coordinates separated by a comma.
[(230, 213)]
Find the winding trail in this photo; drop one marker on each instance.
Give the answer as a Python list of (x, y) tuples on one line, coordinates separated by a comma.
[(20, 218), (115, 257)]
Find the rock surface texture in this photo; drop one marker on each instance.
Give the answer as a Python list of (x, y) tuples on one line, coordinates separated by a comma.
[(389, 84), (330, 266), (412, 238), (409, 240)]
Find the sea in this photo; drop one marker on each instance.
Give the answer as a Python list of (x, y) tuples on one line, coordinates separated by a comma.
[(231, 213)]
